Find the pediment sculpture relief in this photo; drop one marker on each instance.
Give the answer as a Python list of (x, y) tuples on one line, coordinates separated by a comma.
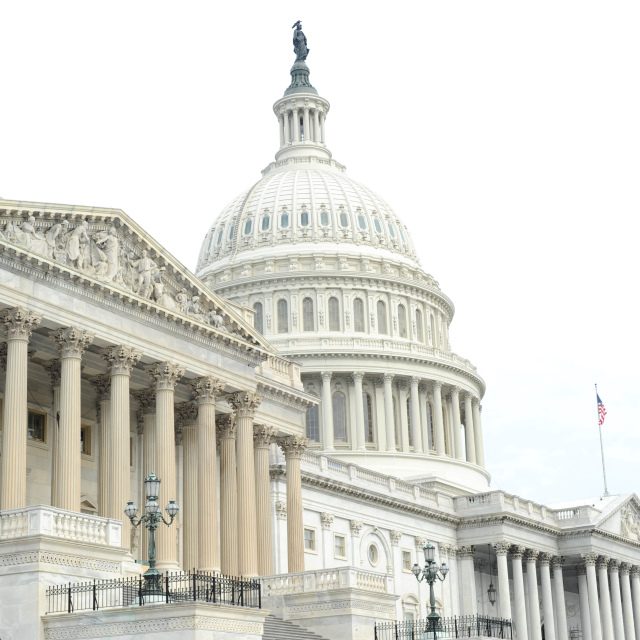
[(99, 251), (630, 523)]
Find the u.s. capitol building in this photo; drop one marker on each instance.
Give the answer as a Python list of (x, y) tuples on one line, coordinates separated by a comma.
[(299, 399)]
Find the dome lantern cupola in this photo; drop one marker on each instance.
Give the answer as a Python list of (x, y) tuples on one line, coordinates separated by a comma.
[(301, 112)]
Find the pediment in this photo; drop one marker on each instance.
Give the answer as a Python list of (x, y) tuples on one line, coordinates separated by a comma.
[(623, 519), (108, 249)]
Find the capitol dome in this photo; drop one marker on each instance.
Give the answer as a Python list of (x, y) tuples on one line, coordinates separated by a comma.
[(333, 280)]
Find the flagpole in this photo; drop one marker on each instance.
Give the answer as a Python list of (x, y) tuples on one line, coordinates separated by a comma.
[(604, 473)]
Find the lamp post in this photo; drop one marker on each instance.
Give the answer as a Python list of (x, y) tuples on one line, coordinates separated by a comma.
[(431, 572), (491, 591), (152, 517)]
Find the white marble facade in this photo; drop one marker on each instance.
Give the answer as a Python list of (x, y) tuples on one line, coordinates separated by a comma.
[(304, 407)]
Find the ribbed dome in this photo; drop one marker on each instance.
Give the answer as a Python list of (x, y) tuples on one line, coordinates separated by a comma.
[(305, 200)]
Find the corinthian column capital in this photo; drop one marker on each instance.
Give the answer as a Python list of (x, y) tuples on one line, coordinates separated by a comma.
[(72, 341), (146, 400), (121, 359), (53, 368), (590, 559), (531, 555), (20, 322), (206, 389), (517, 551), (102, 383), (293, 446), (544, 558), (226, 426), (244, 403), (501, 548), (263, 435), (165, 374)]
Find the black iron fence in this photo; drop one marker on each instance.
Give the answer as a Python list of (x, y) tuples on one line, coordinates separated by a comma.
[(196, 586), (455, 627)]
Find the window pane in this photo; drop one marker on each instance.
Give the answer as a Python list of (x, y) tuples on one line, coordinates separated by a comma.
[(283, 316), (324, 217), (339, 416), (339, 546), (258, 317), (382, 317), (313, 425), (308, 323), (368, 417), (377, 225), (284, 220), (334, 314), (36, 426), (402, 321), (248, 226), (358, 314), (344, 219), (362, 222), (266, 222), (419, 325), (304, 219)]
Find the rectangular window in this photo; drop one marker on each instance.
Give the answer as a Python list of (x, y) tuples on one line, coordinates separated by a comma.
[(339, 547), (309, 539), (85, 439), (37, 426), (406, 561)]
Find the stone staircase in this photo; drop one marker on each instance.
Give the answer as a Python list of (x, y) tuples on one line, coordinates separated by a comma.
[(278, 629)]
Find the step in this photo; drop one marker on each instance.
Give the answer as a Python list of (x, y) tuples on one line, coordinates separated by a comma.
[(278, 629)]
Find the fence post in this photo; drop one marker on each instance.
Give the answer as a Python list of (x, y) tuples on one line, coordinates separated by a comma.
[(95, 599), (194, 584), (396, 633), (140, 590), (214, 589), (259, 585), (166, 583), (69, 603)]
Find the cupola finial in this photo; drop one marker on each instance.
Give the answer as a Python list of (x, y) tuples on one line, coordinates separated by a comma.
[(300, 82)]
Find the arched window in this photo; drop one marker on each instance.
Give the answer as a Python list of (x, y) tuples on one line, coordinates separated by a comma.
[(419, 326), (402, 321), (324, 217), (334, 314), (232, 230), (339, 416), (343, 218), (382, 317), (313, 424), (368, 416), (434, 340), (265, 225), (409, 422), (283, 316), (304, 218), (308, 323), (377, 225), (358, 314), (392, 229), (248, 226), (362, 221), (284, 219), (219, 236), (258, 318)]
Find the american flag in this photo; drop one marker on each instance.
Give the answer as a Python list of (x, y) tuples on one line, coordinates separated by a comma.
[(602, 412)]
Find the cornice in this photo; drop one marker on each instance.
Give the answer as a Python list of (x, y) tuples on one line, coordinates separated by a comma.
[(284, 395)]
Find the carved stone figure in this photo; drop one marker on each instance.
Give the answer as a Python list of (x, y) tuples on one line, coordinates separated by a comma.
[(109, 245), (299, 43), (161, 297), (146, 270), (32, 239), (196, 309), (78, 246), (57, 236), (182, 300)]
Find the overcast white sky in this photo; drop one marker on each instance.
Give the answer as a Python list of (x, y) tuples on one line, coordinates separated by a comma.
[(506, 135)]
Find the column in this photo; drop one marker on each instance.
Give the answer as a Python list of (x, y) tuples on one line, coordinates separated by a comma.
[(357, 384), (121, 360), (627, 605), (605, 598), (616, 600), (583, 594), (355, 526), (296, 125), (469, 435), (316, 126), (467, 581), (322, 118), (305, 124), (547, 598), (438, 426), (457, 435), (535, 632), (102, 384), (416, 425), (281, 123), (520, 610), (592, 590), (293, 447), (635, 598), (188, 414), (245, 405), (402, 410), (287, 128), (205, 391), (226, 429), (558, 593), (326, 520), (53, 368), (327, 411), (72, 342), (166, 376), (263, 436), (477, 431), (424, 420), (504, 602), (19, 323), (389, 416)]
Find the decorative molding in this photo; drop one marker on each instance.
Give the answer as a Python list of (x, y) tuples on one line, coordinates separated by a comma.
[(395, 537), (20, 322), (206, 389), (165, 374), (327, 520), (466, 551), (293, 446), (517, 551), (244, 403), (121, 359), (356, 527), (590, 559), (72, 341), (281, 510), (59, 559), (263, 435), (501, 548)]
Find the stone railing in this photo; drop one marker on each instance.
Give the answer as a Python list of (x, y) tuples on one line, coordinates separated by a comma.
[(325, 580), (57, 523), (499, 501), (374, 481), (281, 369)]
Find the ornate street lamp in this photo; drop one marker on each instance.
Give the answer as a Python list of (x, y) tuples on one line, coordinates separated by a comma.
[(152, 517), (430, 572), (491, 591)]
